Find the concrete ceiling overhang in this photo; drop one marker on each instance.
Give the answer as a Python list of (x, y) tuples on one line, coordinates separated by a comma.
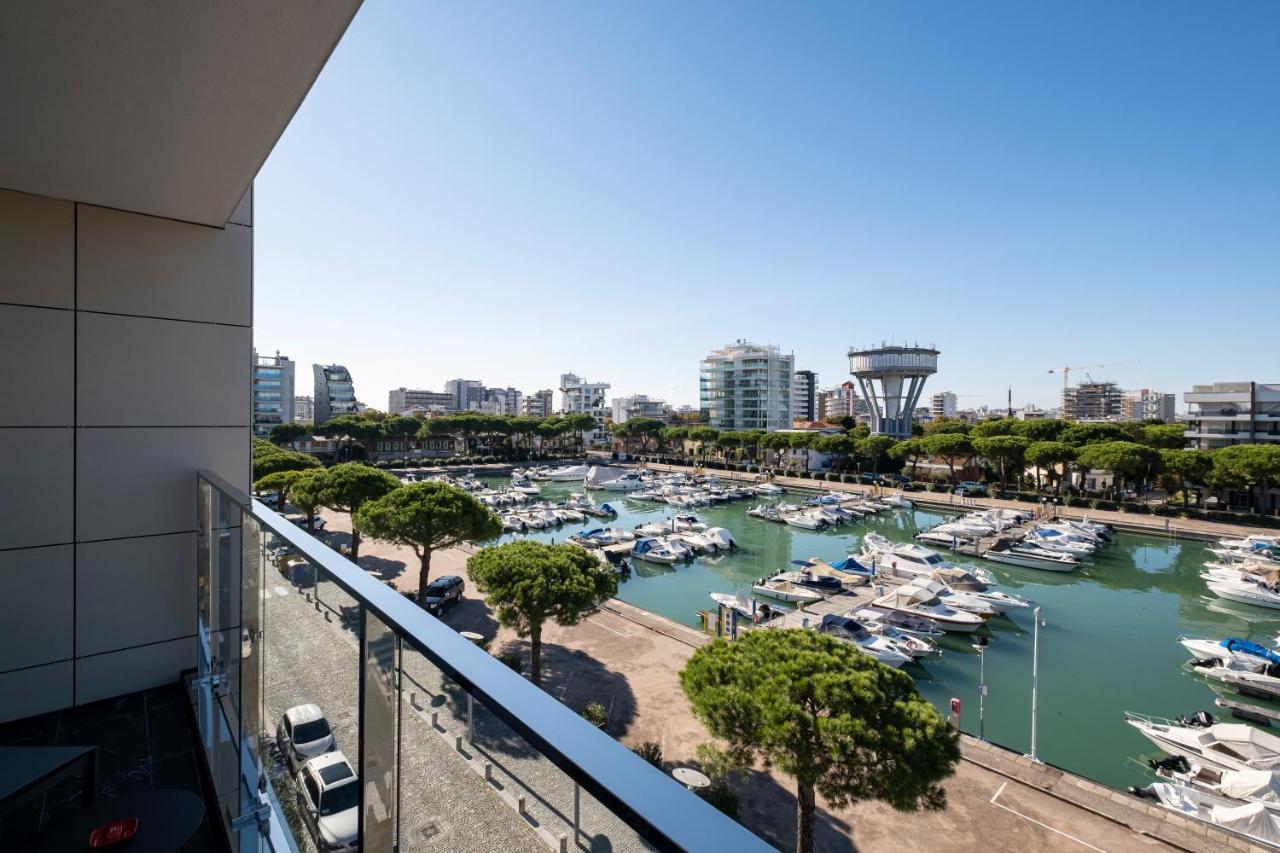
[(165, 108)]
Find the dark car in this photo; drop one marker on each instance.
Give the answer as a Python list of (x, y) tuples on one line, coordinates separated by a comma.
[(895, 480), (443, 593), (970, 488)]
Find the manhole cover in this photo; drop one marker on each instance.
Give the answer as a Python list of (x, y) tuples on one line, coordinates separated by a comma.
[(431, 830)]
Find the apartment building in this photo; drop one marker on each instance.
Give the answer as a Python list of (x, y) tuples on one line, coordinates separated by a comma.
[(1092, 401), (538, 404), (943, 404), (273, 377), (334, 392), (303, 409), (639, 406), (1145, 405), (747, 386), (804, 396), (400, 400), (578, 396), (1227, 413)]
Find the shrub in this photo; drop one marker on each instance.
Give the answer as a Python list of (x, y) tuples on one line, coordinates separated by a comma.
[(650, 752), (512, 660), (595, 714)]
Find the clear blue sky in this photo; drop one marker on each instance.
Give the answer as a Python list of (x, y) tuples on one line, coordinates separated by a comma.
[(508, 191)]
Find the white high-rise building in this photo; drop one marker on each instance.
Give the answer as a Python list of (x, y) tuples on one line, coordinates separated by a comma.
[(334, 392), (1227, 413), (467, 394), (304, 411), (273, 377), (538, 404), (804, 396), (400, 400), (943, 404), (747, 386), (638, 406), (578, 396), (1145, 405)]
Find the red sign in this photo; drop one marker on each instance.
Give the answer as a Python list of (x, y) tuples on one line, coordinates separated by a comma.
[(955, 706)]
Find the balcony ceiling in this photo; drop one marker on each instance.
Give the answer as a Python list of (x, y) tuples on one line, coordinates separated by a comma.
[(168, 109)]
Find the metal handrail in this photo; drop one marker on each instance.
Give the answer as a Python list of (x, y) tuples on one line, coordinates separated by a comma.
[(647, 799)]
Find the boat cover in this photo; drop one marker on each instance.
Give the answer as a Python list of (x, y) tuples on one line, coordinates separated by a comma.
[(608, 509), (1251, 785), (1253, 819), (849, 564), (842, 626), (1235, 644), (804, 564)]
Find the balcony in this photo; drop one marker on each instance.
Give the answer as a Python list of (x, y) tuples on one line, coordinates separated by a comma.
[(452, 749)]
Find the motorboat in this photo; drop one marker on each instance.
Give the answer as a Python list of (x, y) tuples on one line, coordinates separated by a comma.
[(898, 501), (1256, 552), (1257, 820), (569, 514), (957, 599), (565, 473), (721, 538), (1240, 785), (1055, 540), (850, 630), (1232, 651), (914, 626), (915, 646), (966, 527), (768, 490), (756, 611), (524, 486), (829, 584), (653, 550), (786, 591), (1031, 556), (960, 581), (1244, 588), (768, 513), (914, 601), (1223, 746), (697, 541), (806, 520), (849, 569), (1264, 683), (834, 514), (513, 524), (909, 560), (630, 481)]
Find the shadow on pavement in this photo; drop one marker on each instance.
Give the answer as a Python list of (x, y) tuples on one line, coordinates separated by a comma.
[(769, 810), (577, 679), (382, 567)]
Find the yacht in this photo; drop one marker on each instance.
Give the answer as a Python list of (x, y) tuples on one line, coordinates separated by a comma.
[(960, 581), (786, 591), (655, 550), (1257, 820), (914, 626), (914, 601), (1244, 588), (1055, 540), (1222, 746), (910, 560), (565, 473), (850, 630), (1240, 785), (1232, 651), (912, 644), (628, 482), (1031, 556), (747, 606), (806, 520)]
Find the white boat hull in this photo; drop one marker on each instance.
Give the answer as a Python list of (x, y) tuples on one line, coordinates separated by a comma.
[(1029, 562)]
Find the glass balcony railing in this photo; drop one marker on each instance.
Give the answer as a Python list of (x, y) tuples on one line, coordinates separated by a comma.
[(450, 749)]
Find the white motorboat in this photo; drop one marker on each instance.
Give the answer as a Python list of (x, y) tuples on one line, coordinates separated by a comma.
[(628, 482), (1257, 820), (524, 486), (915, 626), (768, 490), (943, 540), (565, 473), (960, 581), (513, 523), (721, 538), (909, 560), (785, 591), (966, 528), (850, 630), (898, 501), (655, 550), (959, 600), (1031, 556), (912, 644), (1056, 540), (568, 514), (1223, 746), (756, 611), (806, 520), (1244, 588), (768, 513), (810, 579), (914, 601), (1252, 682), (697, 541), (1240, 785), (1232, 651)]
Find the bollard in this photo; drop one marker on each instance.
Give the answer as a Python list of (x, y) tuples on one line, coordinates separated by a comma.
[(488, 772), (564, 843), (413, 698), (328, 617), (457, 743), (520, 807), (435, 722)]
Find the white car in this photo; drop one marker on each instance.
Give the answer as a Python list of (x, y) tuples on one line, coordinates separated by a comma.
[(329, 797), (303, 733)]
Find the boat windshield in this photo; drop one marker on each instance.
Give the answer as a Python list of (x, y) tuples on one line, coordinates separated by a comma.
[(934, 560)]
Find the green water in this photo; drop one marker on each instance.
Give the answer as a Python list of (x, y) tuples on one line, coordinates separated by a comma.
[(1109, 643)]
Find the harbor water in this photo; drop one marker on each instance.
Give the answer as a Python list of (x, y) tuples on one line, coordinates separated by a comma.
[(1109, 642)]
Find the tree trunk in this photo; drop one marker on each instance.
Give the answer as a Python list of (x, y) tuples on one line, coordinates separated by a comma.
[(355, 544), (535, 654), (424, 574), (311, 522), (1037, 479), (805, 808), (280, 500)]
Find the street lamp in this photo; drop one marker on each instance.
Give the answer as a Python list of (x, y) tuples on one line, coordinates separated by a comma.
[(1035, 677), (980, 646)]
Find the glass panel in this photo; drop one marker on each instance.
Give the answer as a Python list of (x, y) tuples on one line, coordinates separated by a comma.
[(379, 735), (251, 641)]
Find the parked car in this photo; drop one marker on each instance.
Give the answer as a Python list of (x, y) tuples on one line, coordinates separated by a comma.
[(894, 480), (329, 799), (302, 734), (869, 479), (971, 489), (443, 593)]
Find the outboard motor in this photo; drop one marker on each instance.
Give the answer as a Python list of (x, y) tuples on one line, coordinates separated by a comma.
[(1173, 763), (1198, 720), (1146, 793)]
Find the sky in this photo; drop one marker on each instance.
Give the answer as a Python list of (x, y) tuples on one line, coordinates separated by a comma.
[(510, 191)]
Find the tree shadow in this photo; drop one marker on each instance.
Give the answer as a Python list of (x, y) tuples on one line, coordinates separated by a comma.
[(472, 614), (769, 810), (385, 569), (577, 679)]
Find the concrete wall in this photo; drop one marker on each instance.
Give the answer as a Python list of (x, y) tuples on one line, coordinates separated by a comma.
[(125, 350)]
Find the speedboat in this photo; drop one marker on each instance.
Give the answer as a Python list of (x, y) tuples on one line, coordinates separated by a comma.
[(655, 550), (697, 541), (523, 486), (565, 473), (785, 591), (1240, 785), (806, 520), (1257, 820), (754, 610), (768, 490), (1252, 682), (966, 527), (850, 630), (959, 600), (914, 645), (914, 626), (898, 501), (907, 559), (721, 538), (914, 601), (628, 482), (960, 581), (829, 584), (1231, 651), (1244, 588), (1223, 746), (1031, 556), (1056, 540), (768, 513)]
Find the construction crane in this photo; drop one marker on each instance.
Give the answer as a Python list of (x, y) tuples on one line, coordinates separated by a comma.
[(1066, 371)]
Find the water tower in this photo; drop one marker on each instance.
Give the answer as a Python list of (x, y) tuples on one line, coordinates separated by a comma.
[(900, 372)]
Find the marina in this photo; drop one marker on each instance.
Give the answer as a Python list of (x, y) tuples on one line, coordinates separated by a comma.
[(1117, 617)]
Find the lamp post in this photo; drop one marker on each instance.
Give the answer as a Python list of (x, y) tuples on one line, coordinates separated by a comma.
[(980, 645), (1035, 678)]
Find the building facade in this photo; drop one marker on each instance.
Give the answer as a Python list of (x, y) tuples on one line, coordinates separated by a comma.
[(539, 404), (1227, 413), (334, 393), (1092, 401), (466, 394), (1145, 405), (580, 397), (304, 410), (943, 405), (639, 406), (502, 401), (400, 400), (842, 401), (804, 396), (747, 386), (273, 377)]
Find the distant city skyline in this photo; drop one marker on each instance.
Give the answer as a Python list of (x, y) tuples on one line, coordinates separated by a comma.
[(513, 193)]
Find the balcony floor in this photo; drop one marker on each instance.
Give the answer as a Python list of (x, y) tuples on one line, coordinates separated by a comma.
[(144, 742)]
